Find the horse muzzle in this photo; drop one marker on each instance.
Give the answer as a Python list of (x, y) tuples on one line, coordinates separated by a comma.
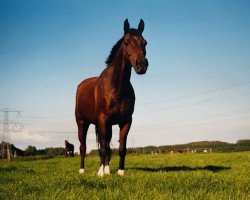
[(141, 66)]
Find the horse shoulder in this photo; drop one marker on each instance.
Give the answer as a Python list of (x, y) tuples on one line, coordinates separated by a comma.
[(86, 82)]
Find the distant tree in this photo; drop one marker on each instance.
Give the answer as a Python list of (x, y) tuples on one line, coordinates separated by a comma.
[(243, 142), (54, 151), (41, 152), (16, 151), (30, 151), (243, 145)]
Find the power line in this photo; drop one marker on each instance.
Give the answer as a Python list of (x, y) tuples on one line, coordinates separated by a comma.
[(224, 117), (198, 93), (53, 132), (170, 99), (174, 107), (208, 100)]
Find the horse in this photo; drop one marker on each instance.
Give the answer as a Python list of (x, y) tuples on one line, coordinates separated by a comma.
[(109, 99), (69, 149)]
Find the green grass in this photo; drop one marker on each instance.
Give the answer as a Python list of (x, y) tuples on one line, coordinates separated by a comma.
[(184, 176)]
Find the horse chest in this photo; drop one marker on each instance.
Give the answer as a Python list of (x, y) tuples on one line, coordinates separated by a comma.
[(120, 108)]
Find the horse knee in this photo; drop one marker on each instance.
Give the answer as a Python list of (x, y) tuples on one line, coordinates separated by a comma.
[(81, 137), (109, 152), (82, 149), (102, 152)]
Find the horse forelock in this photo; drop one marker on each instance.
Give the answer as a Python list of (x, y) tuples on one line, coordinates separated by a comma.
[(134, 31)]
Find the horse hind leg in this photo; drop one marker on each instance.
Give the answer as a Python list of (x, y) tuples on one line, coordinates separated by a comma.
[(73, 154), (82, 134)]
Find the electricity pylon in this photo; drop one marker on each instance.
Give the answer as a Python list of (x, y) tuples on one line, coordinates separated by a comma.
[(5, 145)]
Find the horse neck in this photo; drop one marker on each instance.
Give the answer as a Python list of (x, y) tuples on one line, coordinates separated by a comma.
[(121, 72)]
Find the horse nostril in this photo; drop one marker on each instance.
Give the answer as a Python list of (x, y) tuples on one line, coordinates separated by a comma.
[(137, 62)]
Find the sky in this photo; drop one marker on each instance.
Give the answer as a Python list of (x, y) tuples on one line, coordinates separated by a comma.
[(197, 86)]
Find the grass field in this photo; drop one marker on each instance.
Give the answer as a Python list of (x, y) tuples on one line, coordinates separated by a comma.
[(184, 176)]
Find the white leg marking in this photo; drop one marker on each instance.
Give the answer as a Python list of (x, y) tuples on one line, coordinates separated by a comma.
[(120, 172), (101, 171), (107, 170), (81, 171)]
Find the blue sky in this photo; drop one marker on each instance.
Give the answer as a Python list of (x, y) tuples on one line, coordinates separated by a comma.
[(197, 86)]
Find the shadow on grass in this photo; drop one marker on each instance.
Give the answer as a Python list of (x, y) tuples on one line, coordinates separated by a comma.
[(211, 168), (99, 183), (16, 169), (102, 183), (8, 169), (86, 184)]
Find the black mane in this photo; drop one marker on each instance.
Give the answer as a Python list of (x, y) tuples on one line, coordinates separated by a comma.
[(113, 52), (115, 48)]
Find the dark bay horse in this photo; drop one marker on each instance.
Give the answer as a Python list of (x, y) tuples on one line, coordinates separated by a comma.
[(109, 99), (69, 149)]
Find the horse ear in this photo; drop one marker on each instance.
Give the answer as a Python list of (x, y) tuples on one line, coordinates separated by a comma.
[(141, 26), (126, 26)]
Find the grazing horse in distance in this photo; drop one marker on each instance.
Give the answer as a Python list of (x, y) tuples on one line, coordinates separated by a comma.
[(109, 99), (69, 149)]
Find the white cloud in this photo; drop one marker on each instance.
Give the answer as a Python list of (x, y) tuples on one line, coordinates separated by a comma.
[(26, 135), (24, 138)]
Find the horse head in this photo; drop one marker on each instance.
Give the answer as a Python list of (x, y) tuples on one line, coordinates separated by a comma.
[(135, 47)]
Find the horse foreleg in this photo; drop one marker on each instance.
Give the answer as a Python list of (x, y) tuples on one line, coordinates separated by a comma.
[(108, 156), (82, 133), (103, 132), (124, 129)]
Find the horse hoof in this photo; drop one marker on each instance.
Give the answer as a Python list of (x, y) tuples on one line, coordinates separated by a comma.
[(120, 172), (100, 174), (101, 171), (107, 170), (81, 171)]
